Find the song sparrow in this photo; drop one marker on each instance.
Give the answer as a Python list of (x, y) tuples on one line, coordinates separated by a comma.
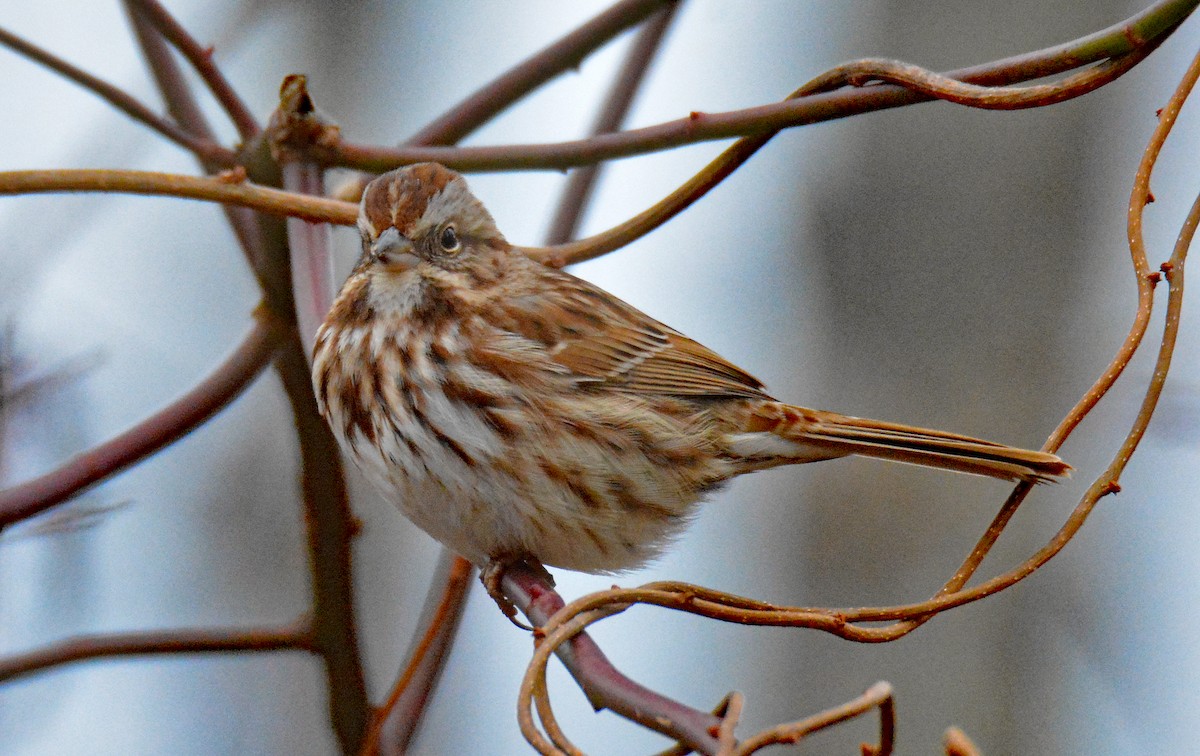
[(514, 411)]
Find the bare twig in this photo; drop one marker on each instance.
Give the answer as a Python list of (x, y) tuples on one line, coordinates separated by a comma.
[(616, 105), (311, 255), (201, 59), (330, 524), (202, 146), (568, 52), (395, 723), (927, 82), (878, 696), (295, 637), (1154, 23), (182, 104), (231, 190), (603, 684), (956, 743), (296, 123), (152, 434)]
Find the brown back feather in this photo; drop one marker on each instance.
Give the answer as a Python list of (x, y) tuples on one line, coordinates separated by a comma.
[(606, 342)]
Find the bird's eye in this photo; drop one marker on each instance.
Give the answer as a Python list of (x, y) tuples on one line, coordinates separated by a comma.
[(449, 239)]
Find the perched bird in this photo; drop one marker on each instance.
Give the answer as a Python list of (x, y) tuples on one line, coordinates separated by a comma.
[(517, 413)]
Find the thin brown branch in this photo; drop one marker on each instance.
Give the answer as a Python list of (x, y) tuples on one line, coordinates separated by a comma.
[(741, 151), (251, 233), (169, 424), (861, 73), (230, 190), (956, 743), (201, 59), (295, 637), (616, 106), (330, 525), (395, 723), (330, 529), (181, 103), (878, 696), (311, 252), (565, 54), (296, 122), (202, 146), (604, 685), (1153, 24)]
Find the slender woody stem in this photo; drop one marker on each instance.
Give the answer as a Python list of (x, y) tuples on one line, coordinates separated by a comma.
[(164, 427)]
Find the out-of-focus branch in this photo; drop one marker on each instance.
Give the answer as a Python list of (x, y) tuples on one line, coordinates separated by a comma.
[(612, 114), (184, 107), (202, 146), (1155, 23), (567, 53), (311, 254), (201, 59), (395, 723), (295, 637), (956, 743), (162, 428), (330, 525), (230, 189), (181, 103)]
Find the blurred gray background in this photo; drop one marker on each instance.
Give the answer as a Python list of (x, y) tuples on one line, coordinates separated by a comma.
[(933, 265)]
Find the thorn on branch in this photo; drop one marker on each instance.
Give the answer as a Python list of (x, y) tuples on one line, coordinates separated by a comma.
[(1112, 487), (235, 175)]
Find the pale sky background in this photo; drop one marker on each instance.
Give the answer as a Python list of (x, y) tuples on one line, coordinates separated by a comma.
[(932, 265)]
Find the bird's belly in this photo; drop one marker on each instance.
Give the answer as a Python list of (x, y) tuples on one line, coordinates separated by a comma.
[(588, 496)]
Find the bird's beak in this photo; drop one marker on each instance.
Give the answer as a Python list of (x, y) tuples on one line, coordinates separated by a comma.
[(394, 250)]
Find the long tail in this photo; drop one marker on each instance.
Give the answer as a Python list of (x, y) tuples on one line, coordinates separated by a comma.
[(811, 435)]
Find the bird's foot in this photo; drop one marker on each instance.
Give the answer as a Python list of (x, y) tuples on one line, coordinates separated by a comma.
[(492, 575)]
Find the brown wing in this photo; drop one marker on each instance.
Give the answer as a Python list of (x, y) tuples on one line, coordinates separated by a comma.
[(604, 341)]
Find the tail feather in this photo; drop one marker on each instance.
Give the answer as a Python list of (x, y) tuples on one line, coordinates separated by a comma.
[(822, 435)]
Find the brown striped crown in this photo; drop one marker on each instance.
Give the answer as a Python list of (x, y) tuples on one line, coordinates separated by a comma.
[(416, 199)]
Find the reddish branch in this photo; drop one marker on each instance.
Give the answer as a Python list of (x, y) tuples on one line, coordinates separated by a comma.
[(121, 100), (329, 523), (602, 683), (396, 721), (565, 54), (616, 106), (1141, 30), (169, 424), (201, 59), (179, 641)]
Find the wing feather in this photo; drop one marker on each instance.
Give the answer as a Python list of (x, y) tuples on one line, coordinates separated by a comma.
[(604, 341)]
